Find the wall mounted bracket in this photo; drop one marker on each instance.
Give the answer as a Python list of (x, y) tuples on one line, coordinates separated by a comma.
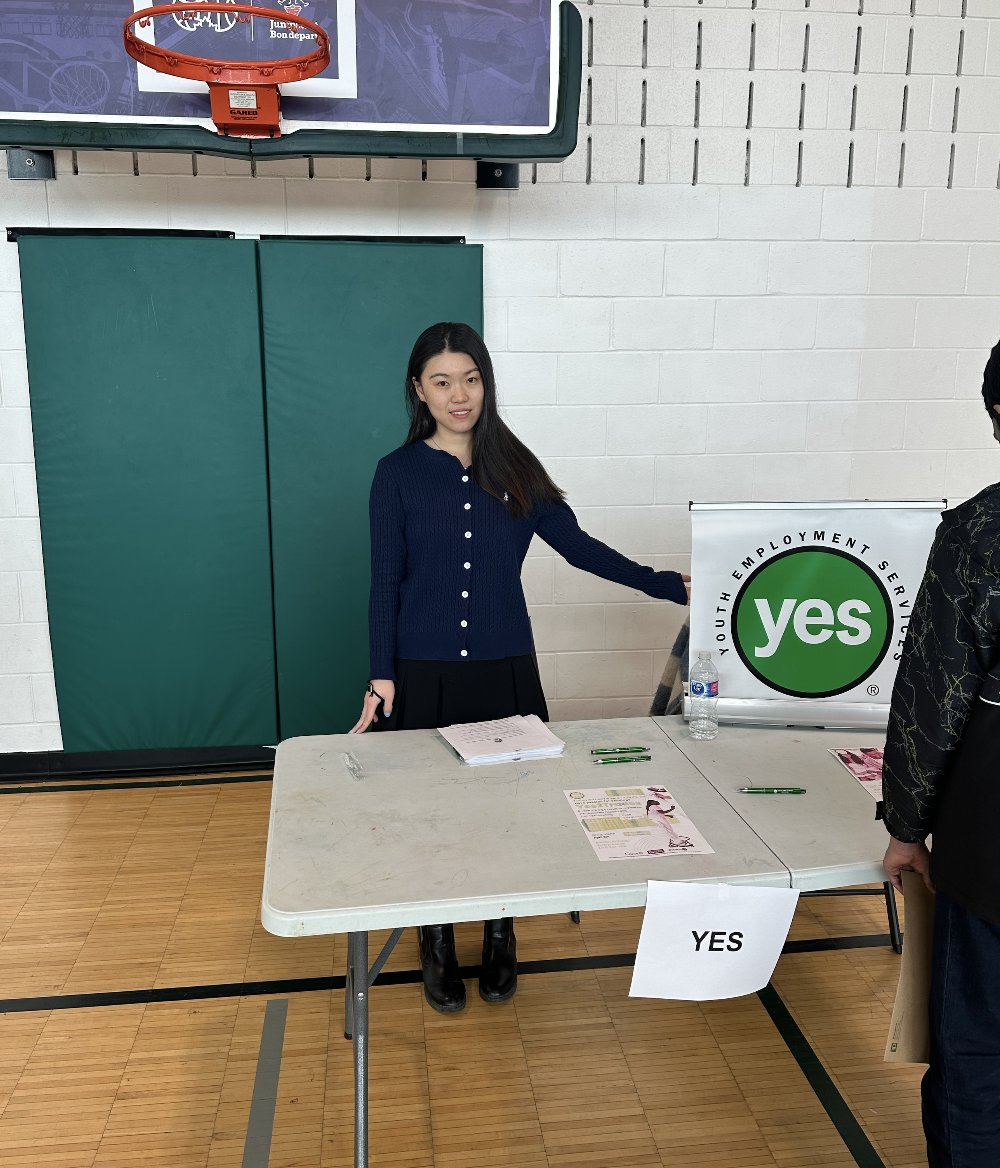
[(498, 176), (30, 164)]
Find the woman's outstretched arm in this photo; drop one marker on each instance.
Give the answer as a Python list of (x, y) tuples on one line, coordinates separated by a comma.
[(559, 527)]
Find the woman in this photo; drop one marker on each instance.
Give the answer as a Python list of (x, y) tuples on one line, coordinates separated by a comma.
[(452, 513), (663, 817)]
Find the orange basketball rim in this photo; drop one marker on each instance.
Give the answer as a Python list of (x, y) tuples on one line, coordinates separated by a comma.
[(244, 94)]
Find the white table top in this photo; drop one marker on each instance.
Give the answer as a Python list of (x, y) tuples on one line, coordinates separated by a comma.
[(829, 837), (421, 838)]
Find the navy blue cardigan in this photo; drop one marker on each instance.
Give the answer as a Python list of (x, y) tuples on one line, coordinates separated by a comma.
[(446, 563)]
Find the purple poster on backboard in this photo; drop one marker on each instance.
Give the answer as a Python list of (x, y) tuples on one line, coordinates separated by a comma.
[(461, 66)]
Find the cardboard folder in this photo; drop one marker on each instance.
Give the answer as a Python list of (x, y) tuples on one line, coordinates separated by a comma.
[(909, 1030)]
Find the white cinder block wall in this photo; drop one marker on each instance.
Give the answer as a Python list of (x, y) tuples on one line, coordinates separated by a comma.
[(771, 270)]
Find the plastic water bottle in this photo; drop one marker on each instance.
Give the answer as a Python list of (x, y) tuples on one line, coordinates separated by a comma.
[(703, 688)]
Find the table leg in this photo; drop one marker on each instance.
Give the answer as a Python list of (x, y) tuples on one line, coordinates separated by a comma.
[(357, 1017), (348, 994), (895, 936), (373, 973)]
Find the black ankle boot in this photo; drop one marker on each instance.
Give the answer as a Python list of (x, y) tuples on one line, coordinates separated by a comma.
[(498, 977), (443, 988)]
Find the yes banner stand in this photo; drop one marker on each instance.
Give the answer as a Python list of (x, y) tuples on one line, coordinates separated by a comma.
[(805, 606)]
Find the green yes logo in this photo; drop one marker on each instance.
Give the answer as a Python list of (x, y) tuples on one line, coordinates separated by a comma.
[(812, 622)]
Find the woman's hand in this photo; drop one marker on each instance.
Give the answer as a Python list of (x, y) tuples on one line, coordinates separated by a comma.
[(687, 585), (384, 695)]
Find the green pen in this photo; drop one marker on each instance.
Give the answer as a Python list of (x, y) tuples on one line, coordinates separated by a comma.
[(620, 750), (772, 790), (629, 758)]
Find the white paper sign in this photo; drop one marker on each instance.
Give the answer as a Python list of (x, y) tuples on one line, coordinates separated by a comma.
[(700, 942)]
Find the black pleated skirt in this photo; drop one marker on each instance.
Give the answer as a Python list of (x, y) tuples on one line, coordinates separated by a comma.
[(430, 694)]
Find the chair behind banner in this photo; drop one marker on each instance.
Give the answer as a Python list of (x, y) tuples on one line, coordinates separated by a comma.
[(805, 606)]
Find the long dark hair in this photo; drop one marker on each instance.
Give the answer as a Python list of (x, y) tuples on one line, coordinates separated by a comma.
[(501, 463)]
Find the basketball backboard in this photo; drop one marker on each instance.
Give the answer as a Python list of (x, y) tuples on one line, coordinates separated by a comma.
[(426, 78)]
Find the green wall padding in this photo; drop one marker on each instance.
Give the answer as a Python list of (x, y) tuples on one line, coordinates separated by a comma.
[(147, 409), (339, 321)]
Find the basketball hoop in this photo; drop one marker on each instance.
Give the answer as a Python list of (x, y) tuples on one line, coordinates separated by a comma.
[(244, 94)]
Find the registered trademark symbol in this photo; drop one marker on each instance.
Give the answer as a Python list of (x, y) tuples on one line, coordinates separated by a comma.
[(873, 691)]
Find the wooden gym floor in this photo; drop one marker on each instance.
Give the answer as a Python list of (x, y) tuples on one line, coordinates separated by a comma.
[(135, 974)]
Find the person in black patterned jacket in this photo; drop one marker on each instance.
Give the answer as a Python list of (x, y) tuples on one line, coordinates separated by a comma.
[(941, 777)]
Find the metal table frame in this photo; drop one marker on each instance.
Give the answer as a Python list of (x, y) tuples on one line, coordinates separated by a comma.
[(358, 983)]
